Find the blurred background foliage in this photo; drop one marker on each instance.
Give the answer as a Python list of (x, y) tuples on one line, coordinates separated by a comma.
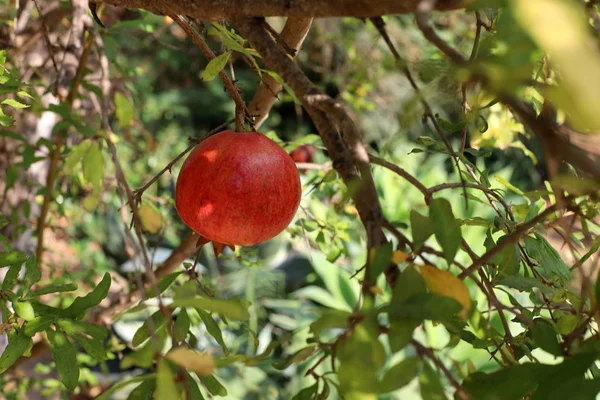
[(161, 100)]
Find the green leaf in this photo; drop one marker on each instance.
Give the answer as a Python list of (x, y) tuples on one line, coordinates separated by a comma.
[(65, 358), (421, 228), (14, 103), (194, 390), (164, 283), (156, 322), (523, 283), (67, 287), (380, 259), (125, 110), (544, 335), (508, 260), (18, 343), (578, 388), (307, 393), (409, 283), (446, 228), (81, 304), (232, 308), (11, 258), (511, 383), (400, 375), (360, 355), (215, 66), (213, 385), (24, 309), (143, 391), (431, 387), (213, 329), (75, 156), (93, 165), (72, 327), (124, 383), (38, 324), (295, 358), (428, 306), (330, 319), (181, 326), (165, 382), (92, 347), (566, 324), (32, 271), (540, 250), (11, 277)]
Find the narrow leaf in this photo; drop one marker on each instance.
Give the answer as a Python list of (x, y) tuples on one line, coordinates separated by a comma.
[(125, 110), (213, 385), (65, 358), (215, 66), (233, 309), (81, 304), (200, 363), (165, 382), (18, 343), (213, 329)]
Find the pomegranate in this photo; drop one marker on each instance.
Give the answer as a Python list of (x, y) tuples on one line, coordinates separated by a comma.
[(238, 188), (304, 153)]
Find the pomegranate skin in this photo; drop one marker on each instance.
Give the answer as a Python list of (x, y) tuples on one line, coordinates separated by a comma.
[(238, 188)]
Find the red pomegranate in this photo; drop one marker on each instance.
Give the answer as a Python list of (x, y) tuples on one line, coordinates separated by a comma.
[(304, 153), (238, 188)]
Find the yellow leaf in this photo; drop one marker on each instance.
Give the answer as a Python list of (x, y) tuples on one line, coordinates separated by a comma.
[(399, 257), (445, 284), (201, 363), (562, 30), (151, 219)]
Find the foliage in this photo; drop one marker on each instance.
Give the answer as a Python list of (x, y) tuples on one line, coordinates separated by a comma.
[(470, 296)]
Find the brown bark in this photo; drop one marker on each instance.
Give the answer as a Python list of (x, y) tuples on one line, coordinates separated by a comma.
[(211, 10)]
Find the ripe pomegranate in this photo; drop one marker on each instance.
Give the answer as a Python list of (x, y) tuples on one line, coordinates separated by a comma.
[(304, 153), (238, 188)]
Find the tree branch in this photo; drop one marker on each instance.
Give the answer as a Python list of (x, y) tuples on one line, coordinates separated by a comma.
[(293, 34), (218, 10), (348, 163)]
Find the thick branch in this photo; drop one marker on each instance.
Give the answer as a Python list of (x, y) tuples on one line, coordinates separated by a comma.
[(214, 10), (331, 127), (293, 35)]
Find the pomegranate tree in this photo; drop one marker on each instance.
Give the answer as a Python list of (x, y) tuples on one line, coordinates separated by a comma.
[(238, 188)]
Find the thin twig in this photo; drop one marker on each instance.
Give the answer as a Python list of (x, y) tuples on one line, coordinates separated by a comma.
[(511, 238), (423, 350), (240, 107), (56, 153), (138, 192)]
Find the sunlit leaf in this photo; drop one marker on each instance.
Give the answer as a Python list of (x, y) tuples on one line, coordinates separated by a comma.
[(200, 363), (124, 109), (215, 66), (165, 382), (213, 385), (445, 284), (11, 257), (151, 218), (231, 308), (143, 391)]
